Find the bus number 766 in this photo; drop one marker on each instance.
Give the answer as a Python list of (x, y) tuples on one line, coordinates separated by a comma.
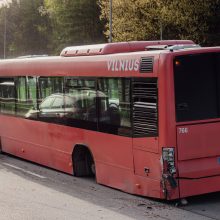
[(183, 130)]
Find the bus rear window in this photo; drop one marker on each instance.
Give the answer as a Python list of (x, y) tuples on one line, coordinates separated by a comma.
[(197, 86)]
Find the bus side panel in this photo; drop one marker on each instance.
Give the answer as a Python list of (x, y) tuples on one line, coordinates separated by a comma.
[(149, 144), (52, 145), (111, 149), (37, 153), (46, 144), (126, 181), (147, 164), (38, 141)]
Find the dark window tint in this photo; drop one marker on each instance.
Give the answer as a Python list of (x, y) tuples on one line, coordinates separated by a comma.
[(23, 104), (48, 86), (52, 109), (26, 95), (50, 100), (114, 105), (32, 91), (197, 86), (102, 104), (81, 102)]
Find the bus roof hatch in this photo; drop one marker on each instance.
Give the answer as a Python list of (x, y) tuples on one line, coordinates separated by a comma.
[(120, 47)]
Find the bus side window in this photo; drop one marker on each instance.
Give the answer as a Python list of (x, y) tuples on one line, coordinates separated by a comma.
[(7, 96), (21, 93), (82, 94), (38, 91), (115, 105), (26, 95), (48, 86)]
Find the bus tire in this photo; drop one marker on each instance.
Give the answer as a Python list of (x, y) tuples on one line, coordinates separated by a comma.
[(83, 162)]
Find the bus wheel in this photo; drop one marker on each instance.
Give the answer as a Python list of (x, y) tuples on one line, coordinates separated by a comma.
[(83, 162), (93, 168)]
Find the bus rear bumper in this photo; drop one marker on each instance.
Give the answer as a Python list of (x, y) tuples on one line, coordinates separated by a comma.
[(191, 187)]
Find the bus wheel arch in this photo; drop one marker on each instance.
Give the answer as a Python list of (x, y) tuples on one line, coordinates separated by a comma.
[(83, 161)]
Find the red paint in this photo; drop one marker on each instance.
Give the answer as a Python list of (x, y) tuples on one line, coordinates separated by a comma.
[(201, 140), (120, 161)]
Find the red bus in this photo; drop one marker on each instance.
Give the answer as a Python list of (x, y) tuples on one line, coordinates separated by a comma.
[(143, 117)]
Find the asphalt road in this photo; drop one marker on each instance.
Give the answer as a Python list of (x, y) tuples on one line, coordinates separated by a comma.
[(29, 191)]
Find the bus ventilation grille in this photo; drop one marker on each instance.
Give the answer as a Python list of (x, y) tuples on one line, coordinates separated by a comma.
[(145, 107), (146, 65)]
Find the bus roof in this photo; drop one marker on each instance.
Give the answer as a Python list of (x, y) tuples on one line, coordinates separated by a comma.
[(119, 47), (120, 64)]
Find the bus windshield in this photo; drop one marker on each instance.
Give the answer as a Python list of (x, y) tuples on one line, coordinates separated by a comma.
[(197, 86)]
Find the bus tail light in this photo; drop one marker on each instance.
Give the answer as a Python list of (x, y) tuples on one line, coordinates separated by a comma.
[(168, 155), (169, 169)]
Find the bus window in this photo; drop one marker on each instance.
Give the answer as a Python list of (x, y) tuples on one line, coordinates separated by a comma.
[(50, 92), (80, 100), (21, 100), (48, 86), (26, 95), (32, 91), (7, 95), (197, 87), (115, 106)]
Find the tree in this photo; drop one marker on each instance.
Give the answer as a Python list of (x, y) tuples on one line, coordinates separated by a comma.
[(133, 19), (74, 22), (197, 20), (33, 28), (27, 29), (2, 27), (143, 20), (6, 29)]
